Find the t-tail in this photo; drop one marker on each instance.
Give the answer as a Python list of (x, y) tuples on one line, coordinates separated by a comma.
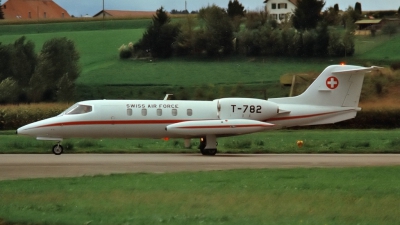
[(332, 97)]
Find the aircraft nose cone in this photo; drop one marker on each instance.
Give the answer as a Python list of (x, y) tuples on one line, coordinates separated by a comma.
[(18, 131), (22, 131)]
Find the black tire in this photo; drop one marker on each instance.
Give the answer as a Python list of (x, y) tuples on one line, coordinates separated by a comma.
[(57, 149), (211, 151), (203, 150), (208, 151)]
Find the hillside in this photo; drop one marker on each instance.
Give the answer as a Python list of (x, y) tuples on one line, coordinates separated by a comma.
[(104, 75), (383, 48)]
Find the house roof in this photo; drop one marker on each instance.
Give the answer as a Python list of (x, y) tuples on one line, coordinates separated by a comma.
[(292, 1), (368, 21), (33, 9), (120, 13)]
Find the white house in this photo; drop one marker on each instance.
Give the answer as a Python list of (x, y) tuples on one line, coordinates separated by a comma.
[(280, 10)]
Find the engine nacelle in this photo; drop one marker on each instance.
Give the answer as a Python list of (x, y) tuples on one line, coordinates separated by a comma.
[(246, 108)]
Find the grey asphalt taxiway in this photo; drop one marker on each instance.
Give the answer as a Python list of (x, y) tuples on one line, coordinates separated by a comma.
[(17, 166)]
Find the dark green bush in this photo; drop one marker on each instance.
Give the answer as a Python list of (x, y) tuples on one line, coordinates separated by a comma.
[(159, 37), (125, 52)]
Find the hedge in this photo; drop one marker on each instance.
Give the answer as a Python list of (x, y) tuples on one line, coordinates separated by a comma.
[(15, 116)]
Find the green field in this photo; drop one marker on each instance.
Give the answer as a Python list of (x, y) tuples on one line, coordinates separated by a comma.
[(267, 196), (104, 75), (282, 141), (378, 49), (35, 27)]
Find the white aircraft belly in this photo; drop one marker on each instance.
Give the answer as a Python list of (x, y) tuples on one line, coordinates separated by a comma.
[(118, 129)]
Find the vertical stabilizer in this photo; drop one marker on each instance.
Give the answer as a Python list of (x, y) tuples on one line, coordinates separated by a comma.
[(337, 85)]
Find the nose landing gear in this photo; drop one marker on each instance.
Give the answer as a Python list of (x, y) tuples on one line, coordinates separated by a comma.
[(57, 149)]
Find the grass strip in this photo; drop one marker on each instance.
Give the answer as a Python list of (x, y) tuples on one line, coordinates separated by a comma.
[(280, 141), (267, 196)]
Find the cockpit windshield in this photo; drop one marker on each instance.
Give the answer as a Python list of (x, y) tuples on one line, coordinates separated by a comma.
[(78, 109)]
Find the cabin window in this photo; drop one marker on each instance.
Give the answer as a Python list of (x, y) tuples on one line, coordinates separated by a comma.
[(129, 112), (69, 109), (44, 15), (29, 15), (5, 7), (174, 112), (79, 109), (144, 112), (62, 15), (159, 112), (189, 112), (273, 6)]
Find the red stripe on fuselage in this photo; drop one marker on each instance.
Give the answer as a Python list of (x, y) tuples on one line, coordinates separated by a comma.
[(111, 122), (224, 126)]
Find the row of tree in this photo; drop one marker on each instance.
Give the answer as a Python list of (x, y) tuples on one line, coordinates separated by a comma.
[(29, 77), (319, 42), (221, 32), (174, 11)]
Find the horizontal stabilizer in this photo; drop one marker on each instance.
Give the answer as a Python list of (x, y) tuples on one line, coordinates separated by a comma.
[(362, 69), (218, 127)]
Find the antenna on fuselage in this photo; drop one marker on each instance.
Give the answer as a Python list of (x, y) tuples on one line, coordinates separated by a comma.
[(167, 97)]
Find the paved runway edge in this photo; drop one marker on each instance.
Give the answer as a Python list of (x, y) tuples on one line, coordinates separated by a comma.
[(17, 166)]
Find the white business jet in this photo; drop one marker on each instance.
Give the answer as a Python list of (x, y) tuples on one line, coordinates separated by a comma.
[(331, 98)]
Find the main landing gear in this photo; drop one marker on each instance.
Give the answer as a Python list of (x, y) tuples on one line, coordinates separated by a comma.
[(57, 149), (208, 145)]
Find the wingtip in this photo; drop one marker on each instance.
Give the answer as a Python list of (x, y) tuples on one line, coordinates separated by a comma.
[(377, 67)]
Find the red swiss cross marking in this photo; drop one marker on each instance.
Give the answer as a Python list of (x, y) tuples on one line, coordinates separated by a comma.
[(332, 82)]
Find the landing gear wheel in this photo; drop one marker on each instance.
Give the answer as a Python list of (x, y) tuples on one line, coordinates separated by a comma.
[(57, 149), (211, 151), (208, 151)]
